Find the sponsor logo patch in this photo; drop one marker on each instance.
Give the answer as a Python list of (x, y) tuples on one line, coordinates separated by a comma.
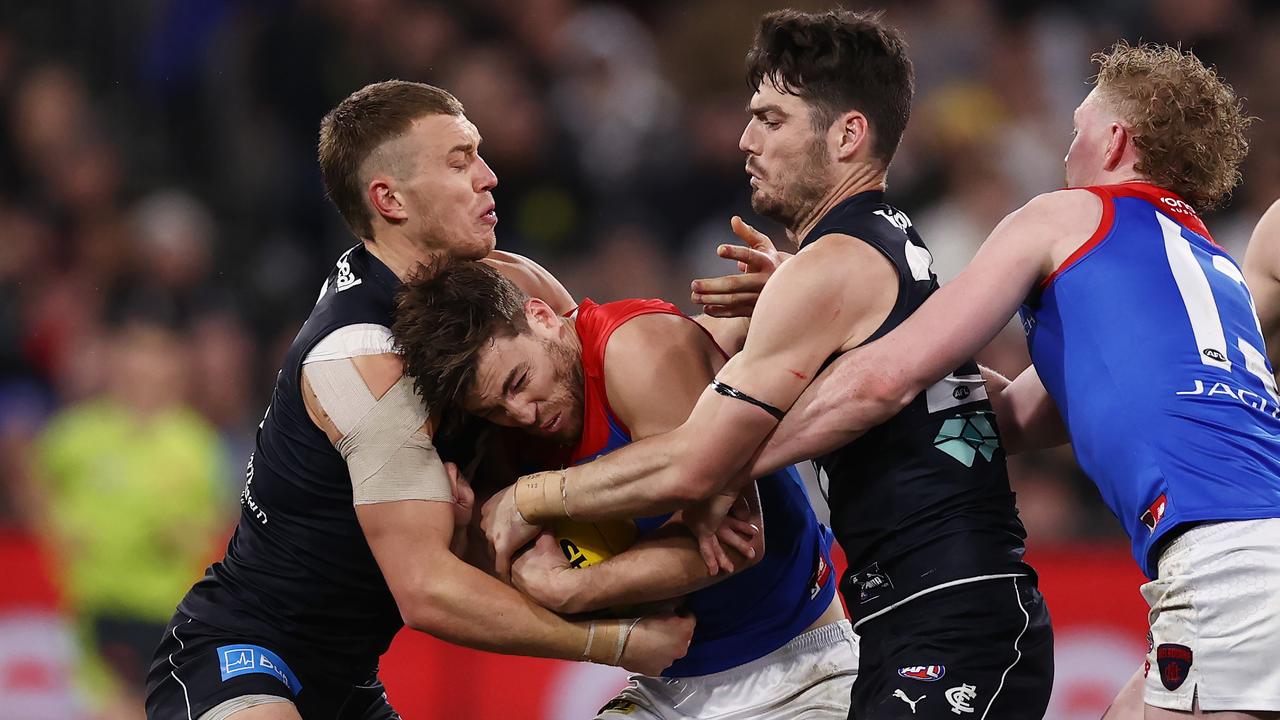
[(818, 580), (870, 583), (621, 707), (236, 660), (903, 697), (924, 673), (1155, 513), (1174, 662)]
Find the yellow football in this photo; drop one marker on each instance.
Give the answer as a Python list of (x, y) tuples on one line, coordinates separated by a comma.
[(587, 543)]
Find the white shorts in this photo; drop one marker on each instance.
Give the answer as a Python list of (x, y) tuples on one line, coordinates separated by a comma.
[(1215, 619), (809, 678)]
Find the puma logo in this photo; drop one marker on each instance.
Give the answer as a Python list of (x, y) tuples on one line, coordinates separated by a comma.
[(903, 697)]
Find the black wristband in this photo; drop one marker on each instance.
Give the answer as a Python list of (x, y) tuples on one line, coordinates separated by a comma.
[(736, 394)]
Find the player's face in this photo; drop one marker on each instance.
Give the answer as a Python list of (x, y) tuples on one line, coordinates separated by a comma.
[(787, 158), (1091, 137), (447, 187), (532, 381)]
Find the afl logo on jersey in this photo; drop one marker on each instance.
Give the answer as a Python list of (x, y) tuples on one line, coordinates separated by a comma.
[(1214, 354), (923, 673), (961, 392)]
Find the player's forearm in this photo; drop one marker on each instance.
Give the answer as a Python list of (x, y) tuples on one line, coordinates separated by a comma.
[(1026, 415), (663, 566), (843, 402), (729, 333), (464, 606)]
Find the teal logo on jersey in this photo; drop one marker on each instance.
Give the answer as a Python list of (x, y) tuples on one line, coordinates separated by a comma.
[(967, 434)]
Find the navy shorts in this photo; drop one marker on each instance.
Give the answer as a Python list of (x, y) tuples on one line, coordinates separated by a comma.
[(982, 649), (198, 667)]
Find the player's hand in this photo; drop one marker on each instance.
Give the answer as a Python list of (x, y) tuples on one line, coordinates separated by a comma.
[(656, 642), (736, 295), (504, 529), (464, 501), (707, 522), (543, 573)]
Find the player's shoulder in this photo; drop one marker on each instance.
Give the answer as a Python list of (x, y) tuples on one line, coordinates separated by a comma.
[(535, 280), (648, 336), (1073, 205)]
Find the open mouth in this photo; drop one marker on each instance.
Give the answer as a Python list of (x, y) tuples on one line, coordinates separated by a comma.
[(490, 215), (553, 424)]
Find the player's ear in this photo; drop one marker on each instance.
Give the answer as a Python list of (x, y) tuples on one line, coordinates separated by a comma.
[(852, 134), (1116, 146), (539, 314), (386, 200)]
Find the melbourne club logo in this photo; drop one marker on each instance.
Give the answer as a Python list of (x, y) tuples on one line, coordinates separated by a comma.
[(1174, 662)]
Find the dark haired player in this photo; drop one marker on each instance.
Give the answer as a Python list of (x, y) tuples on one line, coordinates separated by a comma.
[(1146, 345), (350, 522), (950, 619), (772, 641)]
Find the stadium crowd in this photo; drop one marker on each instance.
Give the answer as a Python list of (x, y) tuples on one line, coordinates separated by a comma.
[(163, 217)]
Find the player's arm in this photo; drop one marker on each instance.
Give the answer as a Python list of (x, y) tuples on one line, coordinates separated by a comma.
[(1028, 417), (655, 368), (1262, 275), (533, 279), (665, 564), (834, 291), (406, 507), (863, 388)]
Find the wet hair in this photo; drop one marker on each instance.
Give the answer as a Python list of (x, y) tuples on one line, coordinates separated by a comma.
[(838, 61)]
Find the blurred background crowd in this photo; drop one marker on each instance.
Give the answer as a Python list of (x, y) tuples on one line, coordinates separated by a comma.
[(163, 230)]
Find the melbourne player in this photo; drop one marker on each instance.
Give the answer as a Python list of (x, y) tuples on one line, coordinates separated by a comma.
[(949, 616), (1146, 345), (1262, 274), (350, 522), (772, 640)]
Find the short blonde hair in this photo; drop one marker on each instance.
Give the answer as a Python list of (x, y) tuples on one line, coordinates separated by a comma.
[(1187, 123)]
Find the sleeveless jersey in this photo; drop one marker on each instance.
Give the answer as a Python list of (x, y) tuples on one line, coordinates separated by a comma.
[(298, 573), (760, 609), (1147, 340), (922, 499)]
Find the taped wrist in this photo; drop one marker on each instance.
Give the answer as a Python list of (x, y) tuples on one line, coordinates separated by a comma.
[(542, 497), (607, 639)]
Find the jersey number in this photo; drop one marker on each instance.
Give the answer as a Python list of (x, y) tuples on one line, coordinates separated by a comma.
[(1202, 309)]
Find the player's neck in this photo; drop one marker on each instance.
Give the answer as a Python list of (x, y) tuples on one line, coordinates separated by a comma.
[(401, 255), (860, 177)]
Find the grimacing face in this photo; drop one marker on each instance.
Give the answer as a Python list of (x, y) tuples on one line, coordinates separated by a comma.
[(786, 158), (445, 185), (532, 381)]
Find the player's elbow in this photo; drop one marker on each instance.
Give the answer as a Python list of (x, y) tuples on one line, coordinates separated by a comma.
[(883, 395)]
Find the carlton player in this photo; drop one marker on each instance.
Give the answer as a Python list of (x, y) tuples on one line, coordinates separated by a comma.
[(772, 640), (1145, 343), (949, 616), (350, 523)]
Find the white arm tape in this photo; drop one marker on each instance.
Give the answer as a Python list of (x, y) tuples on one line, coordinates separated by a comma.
[(389, 455)]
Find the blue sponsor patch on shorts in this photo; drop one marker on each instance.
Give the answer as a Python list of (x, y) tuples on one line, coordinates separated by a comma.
[(236, 660)]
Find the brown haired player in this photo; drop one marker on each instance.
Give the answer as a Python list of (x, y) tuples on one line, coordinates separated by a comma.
[(1147, 351), (351, 523), (949, 616), (772, 641)]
